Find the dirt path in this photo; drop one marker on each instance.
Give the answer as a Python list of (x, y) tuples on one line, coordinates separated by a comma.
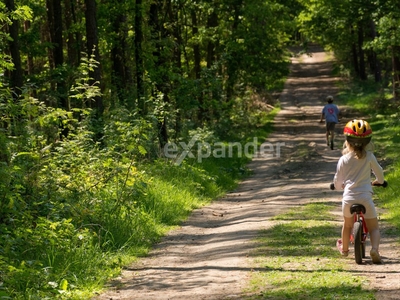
[(207, 257)]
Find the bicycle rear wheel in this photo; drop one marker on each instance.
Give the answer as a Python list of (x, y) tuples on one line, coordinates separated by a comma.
[(363, 246), (358, 242)]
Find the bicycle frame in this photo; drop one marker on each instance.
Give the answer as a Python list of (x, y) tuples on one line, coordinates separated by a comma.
[(359, 216), (359, 232)]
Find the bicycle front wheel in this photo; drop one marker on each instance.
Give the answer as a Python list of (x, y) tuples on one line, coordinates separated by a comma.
[(358, 242)]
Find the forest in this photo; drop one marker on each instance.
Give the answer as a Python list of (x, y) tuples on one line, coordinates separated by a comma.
[(93, 93)]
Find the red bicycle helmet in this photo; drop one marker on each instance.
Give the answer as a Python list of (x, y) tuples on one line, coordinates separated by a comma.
[(358, 132)]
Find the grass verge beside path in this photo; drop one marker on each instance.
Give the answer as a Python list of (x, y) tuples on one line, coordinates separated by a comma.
[(295, 259)]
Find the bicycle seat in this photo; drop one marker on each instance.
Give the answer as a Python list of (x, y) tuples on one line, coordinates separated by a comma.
[(357, 208)]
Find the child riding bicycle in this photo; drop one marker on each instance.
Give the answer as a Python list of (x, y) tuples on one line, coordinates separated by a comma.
[(331, 114), (353, 175)]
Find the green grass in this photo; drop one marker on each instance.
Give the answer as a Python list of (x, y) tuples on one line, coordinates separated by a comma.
[(387, 142), (367, 97), (296, 259), (314, 211)]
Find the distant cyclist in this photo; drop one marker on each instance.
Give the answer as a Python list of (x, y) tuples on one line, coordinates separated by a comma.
[(353, 175), (331, 114)]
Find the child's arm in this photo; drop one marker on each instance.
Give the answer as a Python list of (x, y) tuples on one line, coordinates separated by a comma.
[(377, 170), (322, 116), (339, 178)]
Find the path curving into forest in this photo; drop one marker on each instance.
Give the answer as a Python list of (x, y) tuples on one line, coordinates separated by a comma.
[(207, 258)]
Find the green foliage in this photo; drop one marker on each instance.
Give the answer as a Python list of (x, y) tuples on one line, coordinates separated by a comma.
[(369, 97), (388, 34), (83, 90), (129, 135), (7, 17), (387, 140), (75, 210), (257, 47), (364, 36)]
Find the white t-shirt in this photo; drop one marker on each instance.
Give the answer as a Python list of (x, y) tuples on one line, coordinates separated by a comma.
[(354, 175)]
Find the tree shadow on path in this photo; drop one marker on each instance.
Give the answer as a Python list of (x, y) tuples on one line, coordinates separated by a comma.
[(207, 257)]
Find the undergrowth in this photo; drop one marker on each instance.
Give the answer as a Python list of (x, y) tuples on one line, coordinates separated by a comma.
[(75, 211)]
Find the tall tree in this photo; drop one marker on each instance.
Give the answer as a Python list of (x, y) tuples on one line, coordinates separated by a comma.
[(54, 15), (362, 71), (386, 42), (232, 53), (16, 74), (118, 58), (374, 60), (212, 24), (139, 55), (161, 72), (197, 63), (30, 64), (396, 72), (92, 44), (73, 35)]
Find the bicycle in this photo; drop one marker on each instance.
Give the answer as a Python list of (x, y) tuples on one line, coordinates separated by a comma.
[(359, 233)]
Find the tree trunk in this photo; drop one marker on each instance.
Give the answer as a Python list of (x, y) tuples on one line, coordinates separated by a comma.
[(139, 54), (57, 33), (92, 44), (363, 74), (174, 18), (396, 72), (29, 64), (212, 22), (376, 64), (232, 64), (118, 78), (354, 53), (56, 59), (59, 54), (29, 61), (50, 23), (73, 46), (16, 75), (173, 13), (48, 37), (196, 47), (160, 77), (197, 68)]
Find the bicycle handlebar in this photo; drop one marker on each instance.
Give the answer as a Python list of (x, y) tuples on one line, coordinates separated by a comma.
[(384, 184)]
